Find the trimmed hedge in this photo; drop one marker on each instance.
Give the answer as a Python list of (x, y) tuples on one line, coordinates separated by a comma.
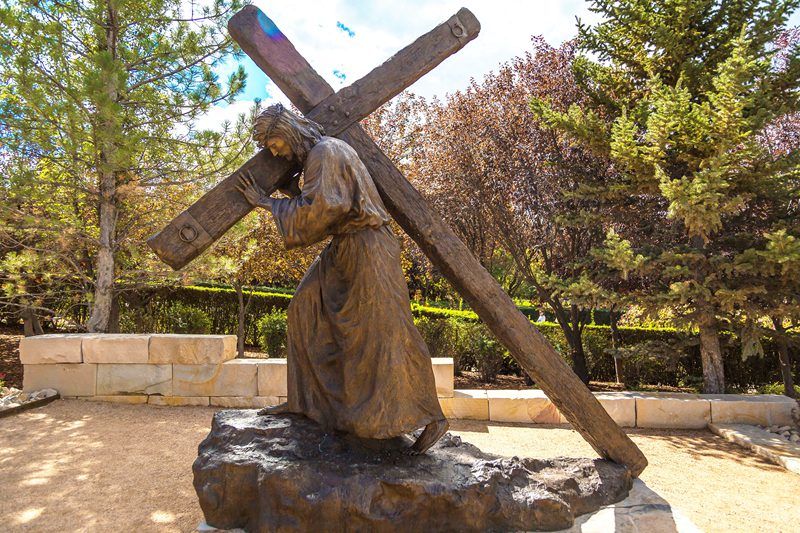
[(150, 310), (663, 356)]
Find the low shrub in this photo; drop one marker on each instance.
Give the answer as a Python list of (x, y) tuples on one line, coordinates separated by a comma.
[(447, 337), (184, 318), (272, 333), (488, 353), (777, 388), (144, 310), (175, 317), (649, 356)]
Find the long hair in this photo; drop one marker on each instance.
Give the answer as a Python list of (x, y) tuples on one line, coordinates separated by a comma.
[(299, 133)]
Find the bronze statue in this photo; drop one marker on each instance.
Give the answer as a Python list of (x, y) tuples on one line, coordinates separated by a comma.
[(356, 363)]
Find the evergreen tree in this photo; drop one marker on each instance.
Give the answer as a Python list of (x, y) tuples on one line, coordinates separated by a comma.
[(683, 92), (98, 146)]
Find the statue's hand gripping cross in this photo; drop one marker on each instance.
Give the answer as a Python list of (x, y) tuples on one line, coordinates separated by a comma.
[(210, 217)]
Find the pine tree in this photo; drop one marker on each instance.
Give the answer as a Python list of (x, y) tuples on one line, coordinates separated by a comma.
[(96, 120), (683, 93)]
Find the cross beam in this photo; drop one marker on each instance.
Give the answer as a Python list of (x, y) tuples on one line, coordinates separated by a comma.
[(268, 47), (218, 210)]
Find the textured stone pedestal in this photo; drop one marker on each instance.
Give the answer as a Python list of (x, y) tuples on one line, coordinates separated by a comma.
[(284, 473)]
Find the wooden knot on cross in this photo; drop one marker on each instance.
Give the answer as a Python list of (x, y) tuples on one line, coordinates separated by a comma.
[(212, 215)]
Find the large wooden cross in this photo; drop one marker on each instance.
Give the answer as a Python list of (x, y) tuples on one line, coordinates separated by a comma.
[(205, 221)]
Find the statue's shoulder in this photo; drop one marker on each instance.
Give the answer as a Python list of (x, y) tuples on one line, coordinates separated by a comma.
[(331, 147)]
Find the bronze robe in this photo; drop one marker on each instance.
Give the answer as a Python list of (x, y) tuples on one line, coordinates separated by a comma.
[(356, 362)]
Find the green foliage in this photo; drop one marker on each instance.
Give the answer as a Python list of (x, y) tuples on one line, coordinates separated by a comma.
[(438, 312), (776, 388), (272, 333), (175, 317), (98, 144), (187, 319), (486, 351), (695, 98), (139, 309), (447, 337)]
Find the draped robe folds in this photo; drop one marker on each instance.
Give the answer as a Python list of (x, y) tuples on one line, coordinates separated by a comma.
[(356, 363)]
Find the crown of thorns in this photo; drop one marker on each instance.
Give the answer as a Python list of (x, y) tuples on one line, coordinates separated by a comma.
[(275, 111)]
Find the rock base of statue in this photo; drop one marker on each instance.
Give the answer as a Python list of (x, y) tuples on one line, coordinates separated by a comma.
[(284, 472)]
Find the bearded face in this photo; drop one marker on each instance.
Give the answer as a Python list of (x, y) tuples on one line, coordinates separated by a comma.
[(286, 134)]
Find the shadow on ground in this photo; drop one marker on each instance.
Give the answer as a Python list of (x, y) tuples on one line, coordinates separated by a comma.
[(98, 467), (84, 466)]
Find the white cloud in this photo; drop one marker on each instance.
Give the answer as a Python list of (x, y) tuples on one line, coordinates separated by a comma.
[(217, 115), (381, 28)]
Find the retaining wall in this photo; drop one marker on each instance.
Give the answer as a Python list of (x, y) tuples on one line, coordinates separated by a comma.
[(202, 370)]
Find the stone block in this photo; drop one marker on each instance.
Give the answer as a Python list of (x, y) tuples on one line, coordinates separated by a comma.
[(51, 349), (530, 406), (232, 378), (244, 402), (131, 399), (678, 411), (762, 410), (116, 348), (272, 377), (443, 374), (115, 379), (178, 401), (620, 406), (67, 379), (466, 404), (192, 349)]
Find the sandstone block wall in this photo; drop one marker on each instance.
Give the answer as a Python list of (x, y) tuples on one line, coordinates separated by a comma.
[(185, 370), (166, 370)]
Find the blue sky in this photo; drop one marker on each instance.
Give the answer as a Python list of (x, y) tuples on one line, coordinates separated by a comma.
[(345, 39)]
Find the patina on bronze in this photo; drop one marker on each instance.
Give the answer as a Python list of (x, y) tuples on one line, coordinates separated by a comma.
[(221, 207), (356, 363)]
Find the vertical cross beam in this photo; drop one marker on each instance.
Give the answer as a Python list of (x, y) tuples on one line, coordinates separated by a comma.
[(272, 52)]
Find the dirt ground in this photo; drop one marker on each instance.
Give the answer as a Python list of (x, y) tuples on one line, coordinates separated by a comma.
[(10, 367), (99, 467)]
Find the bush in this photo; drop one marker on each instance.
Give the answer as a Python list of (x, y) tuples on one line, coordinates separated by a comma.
[(175, 317), (445, 337), (146, 310), (187, 319), (487, 352), (776, 388), (649, 355), (272, 333)]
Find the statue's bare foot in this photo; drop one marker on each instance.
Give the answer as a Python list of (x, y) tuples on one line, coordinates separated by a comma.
[(280, 409), (432, 433)]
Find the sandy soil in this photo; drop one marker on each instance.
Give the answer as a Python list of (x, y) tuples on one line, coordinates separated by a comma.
[(99, 467)]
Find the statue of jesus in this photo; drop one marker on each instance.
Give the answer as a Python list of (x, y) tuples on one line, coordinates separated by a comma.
[(356, 363)]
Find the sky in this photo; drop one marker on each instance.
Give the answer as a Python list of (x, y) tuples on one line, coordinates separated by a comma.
[(345, 39)]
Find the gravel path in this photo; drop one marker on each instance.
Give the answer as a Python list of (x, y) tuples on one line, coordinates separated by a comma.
[(97, 467)]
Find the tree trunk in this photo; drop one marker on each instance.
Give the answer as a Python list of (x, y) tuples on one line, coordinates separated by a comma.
[(31, 325), (576, 346), (240, 331), (711, 355), (616, 343), (785, 358), (113, 319), (569, 327), (107, 134)]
